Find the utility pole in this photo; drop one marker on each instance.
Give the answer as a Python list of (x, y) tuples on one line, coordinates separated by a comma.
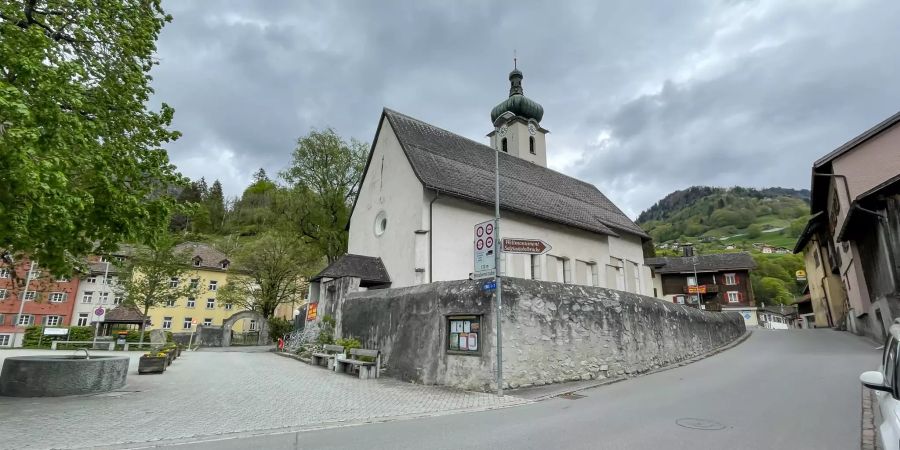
[(24, 298), (497, 279)]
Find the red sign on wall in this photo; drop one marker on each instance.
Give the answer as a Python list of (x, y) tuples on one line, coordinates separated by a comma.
[(311, 311)]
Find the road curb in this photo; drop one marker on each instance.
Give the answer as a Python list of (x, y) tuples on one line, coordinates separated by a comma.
[(867, 426)]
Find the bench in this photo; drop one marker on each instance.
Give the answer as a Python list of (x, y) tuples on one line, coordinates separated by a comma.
[(328, 355), (365, 369)]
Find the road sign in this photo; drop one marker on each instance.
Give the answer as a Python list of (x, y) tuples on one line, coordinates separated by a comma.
[(697, 289), (99, 311), (801, 275), (489, 285), (311, 311), (527, 246), (484, 250)]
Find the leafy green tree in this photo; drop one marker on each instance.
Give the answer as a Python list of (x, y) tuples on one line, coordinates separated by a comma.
[(148, 280), (279, 327), (772, 290), (754, 231), (269, 271), (324, 175), (215, 207), (81, 155)]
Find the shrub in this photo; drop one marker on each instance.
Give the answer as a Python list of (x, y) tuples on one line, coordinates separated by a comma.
[(33, 338), (326, 330), (348, 343), (279, 327)]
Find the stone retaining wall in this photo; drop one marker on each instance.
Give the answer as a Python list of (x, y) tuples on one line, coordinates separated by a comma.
[(552, 332)]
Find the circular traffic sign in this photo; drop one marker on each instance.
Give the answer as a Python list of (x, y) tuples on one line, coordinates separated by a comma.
[(479, 244), (99, 311), (489, 228), (479, 231), (489, 242)]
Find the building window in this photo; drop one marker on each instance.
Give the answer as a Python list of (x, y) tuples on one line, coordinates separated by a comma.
[(57, 297), (167, 323), (187, 323), (224, 264), (170, 302), (531, 145), (4, 340), (25, 320), (252, 325), (655, 293), (198, 261), (173, 282), (103, 259), (2, 294), (730, 279), (464, 334), (595, 274), (228, 306), (679, 299), (104, 298), (194, 283), (119, 258), (691, 281), (82, 320), (2, 319), (190, 303), (503, 145), (380, 223), (734, 297), (31, 295), (213, 285), (63, 280), (4, 273), (207, 322), (87, 297), (535, 267), (117, 300), (816, 257), (210, 303), (91, 280), (52, 321)]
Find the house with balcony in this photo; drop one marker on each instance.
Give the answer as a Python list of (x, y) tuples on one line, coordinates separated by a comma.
[(714, 282)]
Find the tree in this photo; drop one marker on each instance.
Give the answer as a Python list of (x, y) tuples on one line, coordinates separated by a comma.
[(268, 271), (215, 207), (324, 175), (772, 290), (80, 153), (754, 231), (150, 278)]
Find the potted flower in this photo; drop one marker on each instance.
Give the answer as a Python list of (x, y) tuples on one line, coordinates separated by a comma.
[(153, 362), (170, 355)]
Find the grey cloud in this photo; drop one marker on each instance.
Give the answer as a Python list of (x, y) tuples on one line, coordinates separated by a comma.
[(247, 79)]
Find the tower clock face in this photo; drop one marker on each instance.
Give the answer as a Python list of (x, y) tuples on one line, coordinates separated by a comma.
[(502, 131), (531, 129)]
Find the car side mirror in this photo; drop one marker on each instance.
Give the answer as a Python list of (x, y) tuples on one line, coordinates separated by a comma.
[(874, 380)]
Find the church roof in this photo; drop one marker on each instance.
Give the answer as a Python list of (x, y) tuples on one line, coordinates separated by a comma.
[(368, 269), (464, 168)]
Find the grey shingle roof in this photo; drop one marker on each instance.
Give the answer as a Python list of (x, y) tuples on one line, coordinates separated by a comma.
[(705, 263), (210, 258), (123, 313), (464, 168), (367, 268)]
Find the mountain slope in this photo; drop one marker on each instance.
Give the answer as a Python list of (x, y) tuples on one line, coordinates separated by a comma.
[(716, 218)]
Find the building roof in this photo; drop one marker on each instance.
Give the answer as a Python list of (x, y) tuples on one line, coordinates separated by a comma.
[(369, 269), (124, 314), (705, 263), (809, 231), (863, 137), (460, 167), (210, 257)]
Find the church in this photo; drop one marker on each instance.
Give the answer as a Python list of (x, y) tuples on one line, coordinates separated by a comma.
[(425, 188)]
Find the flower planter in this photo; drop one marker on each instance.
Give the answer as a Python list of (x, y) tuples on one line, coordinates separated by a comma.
[(152, 364), (170, 356), (178, 351)]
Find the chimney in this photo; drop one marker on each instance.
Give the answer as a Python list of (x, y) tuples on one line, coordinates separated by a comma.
[(688, 250)]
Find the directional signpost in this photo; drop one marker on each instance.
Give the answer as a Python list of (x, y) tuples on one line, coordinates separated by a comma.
[(525, 246)]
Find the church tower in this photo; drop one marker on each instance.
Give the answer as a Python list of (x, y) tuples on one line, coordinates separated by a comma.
[(517, 124)]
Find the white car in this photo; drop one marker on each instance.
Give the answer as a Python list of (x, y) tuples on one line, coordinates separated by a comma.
[(886, 382)]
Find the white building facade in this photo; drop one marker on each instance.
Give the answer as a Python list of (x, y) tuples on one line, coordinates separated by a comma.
[(425, 189), (97, 289)]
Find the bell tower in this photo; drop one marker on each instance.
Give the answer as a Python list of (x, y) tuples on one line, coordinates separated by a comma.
[(517, 124)]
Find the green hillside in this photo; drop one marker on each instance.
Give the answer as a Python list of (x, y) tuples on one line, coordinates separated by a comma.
[(716, 219)]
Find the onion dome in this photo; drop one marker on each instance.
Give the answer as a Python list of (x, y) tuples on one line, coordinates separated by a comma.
[(518, 103)]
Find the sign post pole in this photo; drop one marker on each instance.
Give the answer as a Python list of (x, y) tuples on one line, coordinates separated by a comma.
[(191, 339), (99, 316), (497, 279)]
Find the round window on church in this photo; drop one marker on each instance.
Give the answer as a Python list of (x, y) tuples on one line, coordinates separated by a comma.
[(380, 223)]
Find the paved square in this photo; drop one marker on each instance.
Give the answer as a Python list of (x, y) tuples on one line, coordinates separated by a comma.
[(212, 393)]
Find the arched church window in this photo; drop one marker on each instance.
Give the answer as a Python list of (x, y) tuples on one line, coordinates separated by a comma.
[(503, 145), (531, 144)]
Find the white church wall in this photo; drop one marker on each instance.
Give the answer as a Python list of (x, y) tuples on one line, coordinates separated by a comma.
[(637, 276), (390, 186), (453, 253)]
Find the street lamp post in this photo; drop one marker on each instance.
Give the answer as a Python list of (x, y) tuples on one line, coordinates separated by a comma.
[(25, 298), (497, 279)]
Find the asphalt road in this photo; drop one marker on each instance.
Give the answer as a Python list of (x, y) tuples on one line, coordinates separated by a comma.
[(794, 389)]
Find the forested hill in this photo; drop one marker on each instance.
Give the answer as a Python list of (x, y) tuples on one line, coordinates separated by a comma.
[(723, 217)]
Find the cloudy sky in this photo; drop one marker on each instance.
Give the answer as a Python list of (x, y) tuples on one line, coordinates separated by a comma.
[(641, 98)]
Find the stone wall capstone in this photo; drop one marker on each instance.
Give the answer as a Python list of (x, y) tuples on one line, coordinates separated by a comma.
[(552, 332)]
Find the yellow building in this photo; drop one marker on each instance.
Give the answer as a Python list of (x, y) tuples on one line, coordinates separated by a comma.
[(826, 292), (210, 269)]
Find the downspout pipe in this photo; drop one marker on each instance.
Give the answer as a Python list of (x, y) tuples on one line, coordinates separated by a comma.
[(437, 194)]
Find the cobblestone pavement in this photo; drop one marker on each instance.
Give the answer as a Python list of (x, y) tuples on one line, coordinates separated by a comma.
[(214, 393)]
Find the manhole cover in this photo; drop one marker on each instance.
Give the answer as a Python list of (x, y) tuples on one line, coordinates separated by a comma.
[(699, 424), (570, 396)]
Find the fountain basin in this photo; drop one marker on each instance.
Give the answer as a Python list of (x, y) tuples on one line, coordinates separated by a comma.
[(56, 376)]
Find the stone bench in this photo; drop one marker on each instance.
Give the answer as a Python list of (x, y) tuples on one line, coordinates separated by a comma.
[(365, 369), (329, 353)]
